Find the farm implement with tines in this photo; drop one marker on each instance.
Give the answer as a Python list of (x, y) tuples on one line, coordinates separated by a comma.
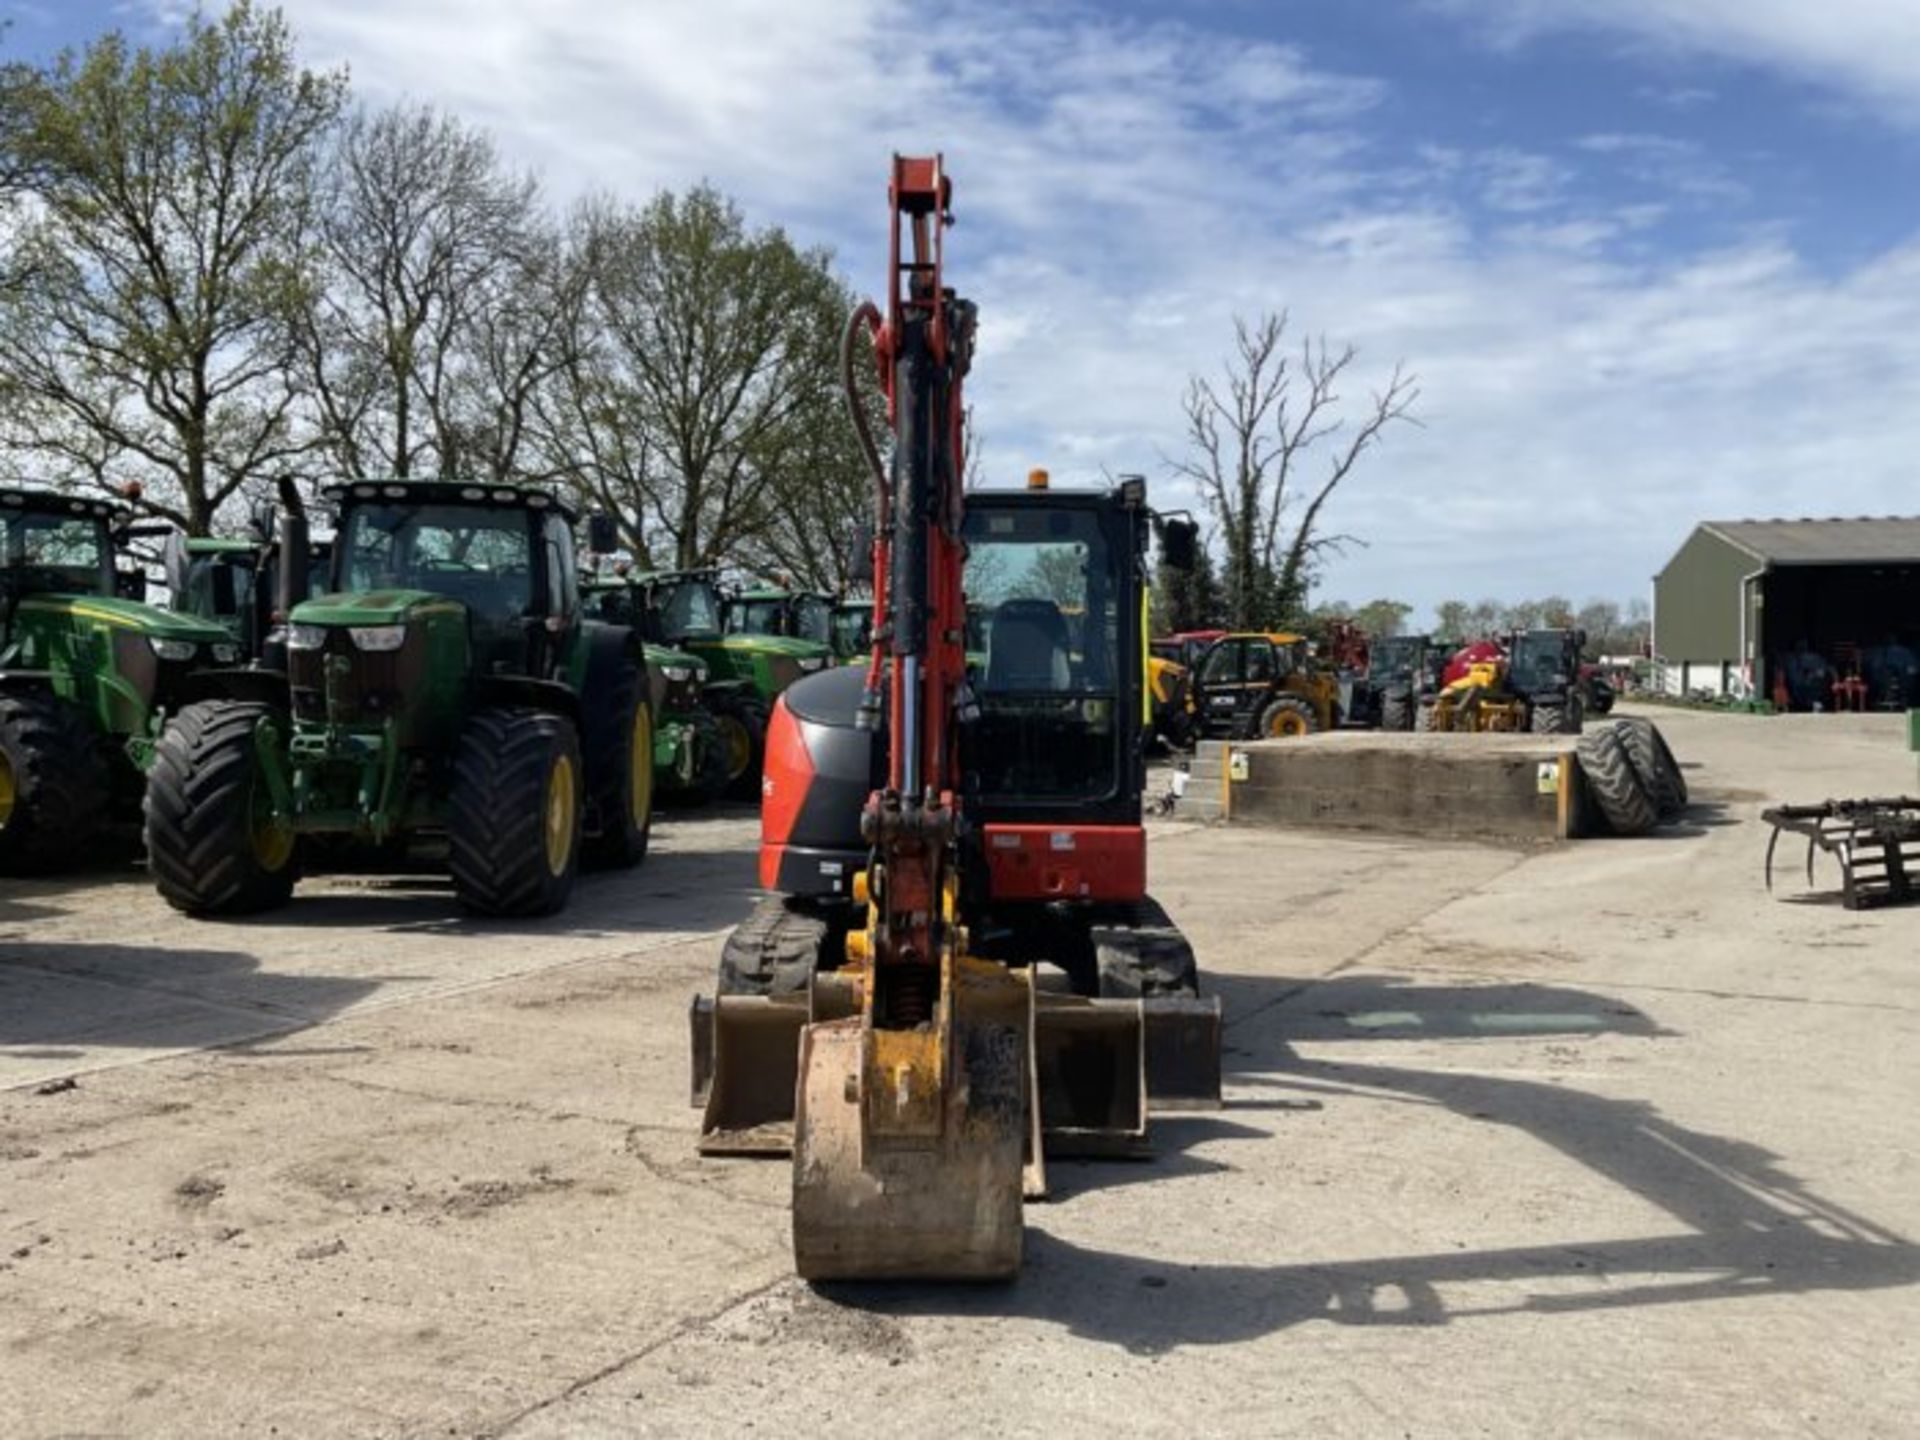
[(1876, 842)]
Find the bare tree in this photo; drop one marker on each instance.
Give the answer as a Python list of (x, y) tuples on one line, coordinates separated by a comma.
[(417, 346), (164, 259), (1255, 446)]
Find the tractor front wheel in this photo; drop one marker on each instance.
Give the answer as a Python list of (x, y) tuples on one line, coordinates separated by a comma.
[(743, 729), (1287, 718), (515, 812), (214, 844), (1547, 718), (1396, 712)]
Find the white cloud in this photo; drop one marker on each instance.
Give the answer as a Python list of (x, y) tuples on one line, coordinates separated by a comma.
[(1867, 47), (1123, 189)]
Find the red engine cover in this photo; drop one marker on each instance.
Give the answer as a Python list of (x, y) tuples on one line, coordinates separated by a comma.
[(1066, 862), (784, 778), (1468, 656)]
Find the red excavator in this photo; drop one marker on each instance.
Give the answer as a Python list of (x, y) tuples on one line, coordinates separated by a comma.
[(936, 825)]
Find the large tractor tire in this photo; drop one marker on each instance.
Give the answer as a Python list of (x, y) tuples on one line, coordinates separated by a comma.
[(1547, 717), (742, 719), (1396, 712), (619, 776), (213, 846), (1287, 717), (514, 826), (1427, 717), (53, 783), (775, 950), (1142, 954), (1659, 772), (1615, 784)]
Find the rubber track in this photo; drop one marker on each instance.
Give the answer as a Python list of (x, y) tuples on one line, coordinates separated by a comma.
[(1142, 953), (497, 812), (199, 813), (774, 951), (1616, 787), (60, 783)]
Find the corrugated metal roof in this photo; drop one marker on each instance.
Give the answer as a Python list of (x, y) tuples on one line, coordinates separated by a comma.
[(1866, 540)]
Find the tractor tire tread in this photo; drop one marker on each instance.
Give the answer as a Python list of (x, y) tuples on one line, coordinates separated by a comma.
[(1616, 785), (616, 840), (199, 813), (61, 786), (1647, 749), (496, 845)]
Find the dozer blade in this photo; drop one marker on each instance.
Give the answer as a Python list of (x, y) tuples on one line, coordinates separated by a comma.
[(753, 1042), (908, 1144), (1091, 1073), (1183, 1053)]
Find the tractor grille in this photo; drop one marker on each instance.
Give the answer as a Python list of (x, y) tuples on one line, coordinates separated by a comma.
[(370, 687)]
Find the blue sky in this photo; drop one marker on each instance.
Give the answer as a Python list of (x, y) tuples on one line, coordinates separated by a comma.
[(1653, 260)]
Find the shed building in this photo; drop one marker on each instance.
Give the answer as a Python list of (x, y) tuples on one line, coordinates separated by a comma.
[(1787, 608)]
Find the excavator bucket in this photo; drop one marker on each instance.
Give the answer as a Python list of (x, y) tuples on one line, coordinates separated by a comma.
[(750, 1042), (1090, 1068), (909, 1145)]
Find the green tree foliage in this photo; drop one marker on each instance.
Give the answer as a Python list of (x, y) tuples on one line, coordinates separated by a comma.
[(164, 260), (1188, 599)]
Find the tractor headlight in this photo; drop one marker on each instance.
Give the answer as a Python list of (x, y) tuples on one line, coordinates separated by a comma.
[(226, 654), (173, 649), (378, 638), (677, 674), (306, 637), (810, 663)]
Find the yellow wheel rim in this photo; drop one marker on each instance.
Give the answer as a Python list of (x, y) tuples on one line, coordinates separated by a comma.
[(561, 811), (739, 746), (640, 767), (1287, 724), (9, 791)]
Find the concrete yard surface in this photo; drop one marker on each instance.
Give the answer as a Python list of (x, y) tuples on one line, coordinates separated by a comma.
[(1584, 1139)]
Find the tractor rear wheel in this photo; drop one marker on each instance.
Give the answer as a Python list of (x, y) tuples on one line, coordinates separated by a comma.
[(1659, 772), (1396, 712), (513, 833), (619, 776), (1615, 784), (742, 720), (53, 783), (1286, 718), (1427, 717), (214, 845), (1548, 717)]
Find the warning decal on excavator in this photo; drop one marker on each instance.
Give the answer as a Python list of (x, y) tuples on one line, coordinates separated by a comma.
[(1546, 777)]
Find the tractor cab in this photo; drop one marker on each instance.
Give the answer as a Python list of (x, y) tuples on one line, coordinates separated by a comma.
[(797, 614), (852, 630), (1263, 685), (56, 544)]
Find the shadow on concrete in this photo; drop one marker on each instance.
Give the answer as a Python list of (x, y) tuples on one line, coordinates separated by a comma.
[(58, 1000), (673, 890), (1743, 1226)]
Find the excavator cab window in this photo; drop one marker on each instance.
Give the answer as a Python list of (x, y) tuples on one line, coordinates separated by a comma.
[(1044, 641)]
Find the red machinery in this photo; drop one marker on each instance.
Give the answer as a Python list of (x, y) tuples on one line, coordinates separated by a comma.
[(934, 833)]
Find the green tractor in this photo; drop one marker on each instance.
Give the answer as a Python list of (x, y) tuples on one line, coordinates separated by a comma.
[(692, 744), (86, 676), (447, 689), (853, 631), (796, 614), (749, 669)]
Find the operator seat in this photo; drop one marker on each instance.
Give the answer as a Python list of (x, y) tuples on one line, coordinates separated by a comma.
[(1028, 648)]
